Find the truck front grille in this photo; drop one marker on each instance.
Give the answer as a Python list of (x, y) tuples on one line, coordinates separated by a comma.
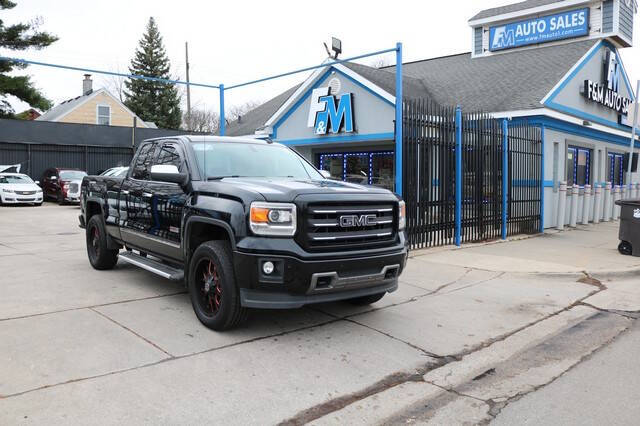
[(336, 227)]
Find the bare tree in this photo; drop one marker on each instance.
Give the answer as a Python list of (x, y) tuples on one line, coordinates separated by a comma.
[(115, 83), (201, 120), (380, 62), (237, 111)]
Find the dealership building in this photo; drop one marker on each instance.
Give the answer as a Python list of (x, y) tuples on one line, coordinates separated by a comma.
[(553, 64)]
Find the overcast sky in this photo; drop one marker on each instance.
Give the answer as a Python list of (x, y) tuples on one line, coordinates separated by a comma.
[(236, 41)]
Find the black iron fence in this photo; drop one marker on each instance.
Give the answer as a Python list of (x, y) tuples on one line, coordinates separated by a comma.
[(431, 136), (34, 159), (524, 203)]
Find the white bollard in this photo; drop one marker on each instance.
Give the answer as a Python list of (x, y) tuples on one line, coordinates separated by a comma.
[(573, 219), (562, 202), (586, 208), (597, 201), (636, 195), (606, 216), (623, 192), (616, 197)]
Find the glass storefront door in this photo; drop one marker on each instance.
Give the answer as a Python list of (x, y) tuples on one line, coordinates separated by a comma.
[(365, 168)]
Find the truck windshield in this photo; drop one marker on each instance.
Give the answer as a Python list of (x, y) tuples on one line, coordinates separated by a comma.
[(219, 159)]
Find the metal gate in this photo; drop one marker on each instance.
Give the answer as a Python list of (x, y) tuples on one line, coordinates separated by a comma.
[(431, 136)]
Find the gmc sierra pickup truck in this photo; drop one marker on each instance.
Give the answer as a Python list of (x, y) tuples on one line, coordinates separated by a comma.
[(246, 223)]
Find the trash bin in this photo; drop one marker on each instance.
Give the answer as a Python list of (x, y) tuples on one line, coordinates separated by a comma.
[(629, 227)]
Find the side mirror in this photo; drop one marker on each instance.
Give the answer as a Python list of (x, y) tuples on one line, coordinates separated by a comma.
[(169, 173), (326, 174), (37, 182), (53, 178)]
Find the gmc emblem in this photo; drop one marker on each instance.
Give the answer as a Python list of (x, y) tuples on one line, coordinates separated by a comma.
[(350, 221)]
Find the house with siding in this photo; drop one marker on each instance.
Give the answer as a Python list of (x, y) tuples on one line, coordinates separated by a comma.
[(94, 107)]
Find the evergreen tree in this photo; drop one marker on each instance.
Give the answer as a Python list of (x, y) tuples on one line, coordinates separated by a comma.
[(20, 37), (150, 100)]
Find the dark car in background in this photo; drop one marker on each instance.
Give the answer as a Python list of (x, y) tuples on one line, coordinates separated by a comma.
[(62, 184)]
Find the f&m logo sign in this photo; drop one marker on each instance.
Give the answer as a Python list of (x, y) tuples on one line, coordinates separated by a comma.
[(328, 114)]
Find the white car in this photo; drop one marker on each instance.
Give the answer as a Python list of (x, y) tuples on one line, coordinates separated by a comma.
[(16, 188)]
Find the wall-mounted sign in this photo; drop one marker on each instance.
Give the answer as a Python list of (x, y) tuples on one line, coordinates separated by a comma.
[(573, 23), (606, 93), (327, 116)]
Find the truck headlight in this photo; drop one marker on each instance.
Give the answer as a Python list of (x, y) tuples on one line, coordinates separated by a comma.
[(402, 215), (278, 219)]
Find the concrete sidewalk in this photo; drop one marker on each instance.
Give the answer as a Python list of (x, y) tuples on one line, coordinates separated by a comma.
[(592, 249)]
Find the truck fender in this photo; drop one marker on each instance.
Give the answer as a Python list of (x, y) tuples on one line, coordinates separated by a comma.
[(199, 219), (111, 244)]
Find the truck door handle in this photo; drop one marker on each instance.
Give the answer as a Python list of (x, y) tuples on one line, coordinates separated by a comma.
[(125, 192)]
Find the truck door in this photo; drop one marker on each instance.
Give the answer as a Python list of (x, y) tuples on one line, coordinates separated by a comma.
[(167, 201), (133, 203)]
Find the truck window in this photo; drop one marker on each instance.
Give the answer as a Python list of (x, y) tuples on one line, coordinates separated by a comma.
[(142, 162), (170, 154)]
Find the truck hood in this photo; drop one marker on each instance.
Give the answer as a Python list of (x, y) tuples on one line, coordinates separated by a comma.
[(286, 190)]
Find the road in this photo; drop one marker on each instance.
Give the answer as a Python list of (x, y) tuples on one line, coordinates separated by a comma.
[(603, 389)]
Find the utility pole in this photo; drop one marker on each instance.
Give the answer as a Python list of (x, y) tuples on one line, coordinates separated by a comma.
[(186, 56)]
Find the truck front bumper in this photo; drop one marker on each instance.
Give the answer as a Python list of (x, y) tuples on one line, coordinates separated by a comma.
[(297, 282)]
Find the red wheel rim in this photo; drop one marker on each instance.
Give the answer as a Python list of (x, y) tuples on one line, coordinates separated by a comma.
[(95, 241), (210, 289)]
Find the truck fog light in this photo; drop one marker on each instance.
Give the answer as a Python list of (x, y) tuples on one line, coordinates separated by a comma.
[(267, 267)]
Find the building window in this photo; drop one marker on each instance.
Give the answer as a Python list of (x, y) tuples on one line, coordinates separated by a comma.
[(578, 166), (615, 168), (104, 114), (365, 168)]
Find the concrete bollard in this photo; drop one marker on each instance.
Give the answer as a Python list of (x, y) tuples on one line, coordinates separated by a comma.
[(597, 203), (586, 208), (623, 192), (562, 203), (606, 216), (616, 197), (573, 218), (636, 195)]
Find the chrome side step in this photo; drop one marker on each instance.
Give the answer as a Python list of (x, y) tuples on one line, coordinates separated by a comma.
[(158, 268)]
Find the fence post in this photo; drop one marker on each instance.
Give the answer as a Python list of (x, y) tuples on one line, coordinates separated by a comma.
[(399, 107), (587, 204), (542, 142), (562, 203), (458, 175), (505, 175), (223, 123)]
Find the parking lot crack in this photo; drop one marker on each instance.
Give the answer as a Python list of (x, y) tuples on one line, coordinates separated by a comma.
[(133, 332)]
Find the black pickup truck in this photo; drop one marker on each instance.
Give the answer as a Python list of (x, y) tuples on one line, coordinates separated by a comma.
[(246, 223)]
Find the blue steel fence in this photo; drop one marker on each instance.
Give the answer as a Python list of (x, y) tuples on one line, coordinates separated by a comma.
[(468, 177)]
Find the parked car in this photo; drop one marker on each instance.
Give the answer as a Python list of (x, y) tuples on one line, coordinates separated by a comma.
[(247, 224), (16, 188), (120, 171), (62, 184)]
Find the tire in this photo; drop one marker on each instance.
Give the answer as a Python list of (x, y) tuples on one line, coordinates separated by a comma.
[(100, 256), (212, 287), (625, 248), (37, 204), (60, 199), (366, 300)]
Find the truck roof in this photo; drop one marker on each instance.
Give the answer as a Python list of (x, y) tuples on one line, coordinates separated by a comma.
[(217, 139)]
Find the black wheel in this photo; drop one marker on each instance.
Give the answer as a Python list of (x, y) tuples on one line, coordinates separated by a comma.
[(625, 248), (60, 199), (366, 300), (100, 256), (212, 287)]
